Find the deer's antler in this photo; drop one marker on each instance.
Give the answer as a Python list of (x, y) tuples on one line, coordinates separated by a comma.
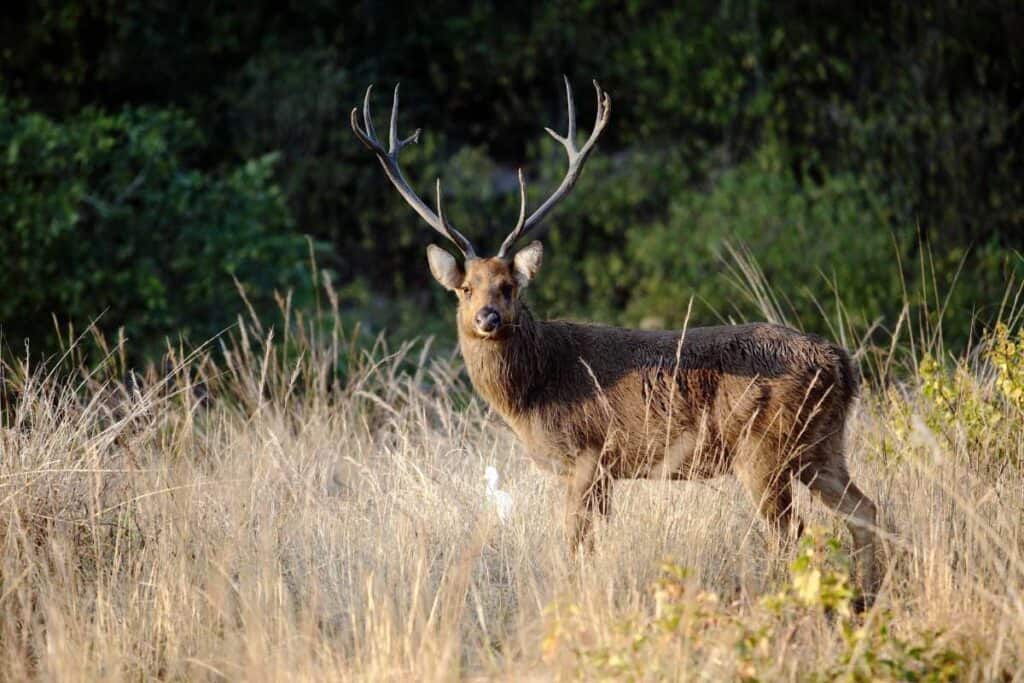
[(389, 160), (577, 157)]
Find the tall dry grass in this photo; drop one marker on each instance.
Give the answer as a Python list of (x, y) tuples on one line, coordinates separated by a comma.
[(285, 505)]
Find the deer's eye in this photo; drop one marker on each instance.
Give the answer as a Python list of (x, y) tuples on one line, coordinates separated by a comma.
[(466, 290), (506, 290)]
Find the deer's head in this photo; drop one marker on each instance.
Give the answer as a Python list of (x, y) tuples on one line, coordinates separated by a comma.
[(488, 289)]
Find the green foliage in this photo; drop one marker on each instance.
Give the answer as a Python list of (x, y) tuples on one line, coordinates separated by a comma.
[(635, 266), (874, 652), (973, 403), (809, 240), (103, 216), (835, 146), (587, 263), (964, 402), (1006, 353), (956, 399), (820, 576), (688, 629)]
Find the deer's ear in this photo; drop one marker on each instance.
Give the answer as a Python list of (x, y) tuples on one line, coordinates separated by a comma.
[(444, 268), (527, 262)]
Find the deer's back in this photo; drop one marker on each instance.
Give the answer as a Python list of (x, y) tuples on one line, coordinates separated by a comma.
[(685, 402)]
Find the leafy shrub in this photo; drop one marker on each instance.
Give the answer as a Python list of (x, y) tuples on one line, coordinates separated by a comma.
[(1006, 353), (105, 215), (587, 270), (688, 629), (808, 137), (970, 406), (622, 256), (956, 399), (808, 239), (975, 404)]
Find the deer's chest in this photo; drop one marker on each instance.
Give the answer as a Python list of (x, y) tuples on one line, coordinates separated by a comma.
[(550, 449)]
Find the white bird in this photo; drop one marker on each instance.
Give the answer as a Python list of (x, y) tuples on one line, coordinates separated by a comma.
[(500, 500)]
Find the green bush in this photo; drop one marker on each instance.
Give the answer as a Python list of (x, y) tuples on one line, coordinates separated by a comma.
[(807, 239), (640, 238), (105, 217), (682, 628), (814, 136)]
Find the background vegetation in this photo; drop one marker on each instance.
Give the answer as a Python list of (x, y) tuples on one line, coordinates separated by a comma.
[(151, 151), (302, 499)]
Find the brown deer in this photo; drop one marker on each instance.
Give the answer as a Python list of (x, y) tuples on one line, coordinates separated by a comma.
[(595, 403)]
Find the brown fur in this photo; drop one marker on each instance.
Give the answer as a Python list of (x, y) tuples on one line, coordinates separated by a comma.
[(596, 403), (599, 403)]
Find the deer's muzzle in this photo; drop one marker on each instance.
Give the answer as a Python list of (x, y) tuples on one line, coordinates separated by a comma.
[(487, 319)]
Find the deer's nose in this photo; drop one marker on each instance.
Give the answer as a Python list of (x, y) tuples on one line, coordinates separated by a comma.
[(488, 319)]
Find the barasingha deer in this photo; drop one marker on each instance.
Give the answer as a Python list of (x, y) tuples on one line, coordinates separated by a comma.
[(594, 403)]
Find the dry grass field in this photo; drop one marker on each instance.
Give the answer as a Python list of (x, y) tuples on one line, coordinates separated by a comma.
[(256, 511)]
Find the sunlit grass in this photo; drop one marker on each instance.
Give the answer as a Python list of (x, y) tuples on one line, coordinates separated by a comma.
[(287, 504)]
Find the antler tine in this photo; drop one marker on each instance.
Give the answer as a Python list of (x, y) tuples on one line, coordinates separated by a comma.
[(389, 161), (440, 211), (363, 135), (371, 132), (522, 203), (517, 231), (577, 158), (572, 109), (393, 128), (451, 233)]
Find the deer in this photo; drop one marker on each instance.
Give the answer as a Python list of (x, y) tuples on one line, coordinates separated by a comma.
[(594, 403)]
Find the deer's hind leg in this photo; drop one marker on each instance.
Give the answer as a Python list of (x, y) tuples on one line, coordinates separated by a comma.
[(765, 473), (772, 494), (830, 482)]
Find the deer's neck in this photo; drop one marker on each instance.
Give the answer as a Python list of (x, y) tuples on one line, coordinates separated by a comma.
[(505, 371)]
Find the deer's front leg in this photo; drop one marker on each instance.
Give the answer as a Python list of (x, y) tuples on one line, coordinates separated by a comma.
[(588, 492)]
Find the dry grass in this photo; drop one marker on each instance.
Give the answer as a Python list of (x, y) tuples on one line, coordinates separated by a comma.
[(249, 515)]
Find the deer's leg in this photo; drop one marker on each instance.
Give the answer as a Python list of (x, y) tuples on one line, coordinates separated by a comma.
[(599, 500), (588, 493), (772, 494), (831, 483)]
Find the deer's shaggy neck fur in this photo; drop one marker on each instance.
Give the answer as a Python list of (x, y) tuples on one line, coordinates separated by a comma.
[(505, 371)]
